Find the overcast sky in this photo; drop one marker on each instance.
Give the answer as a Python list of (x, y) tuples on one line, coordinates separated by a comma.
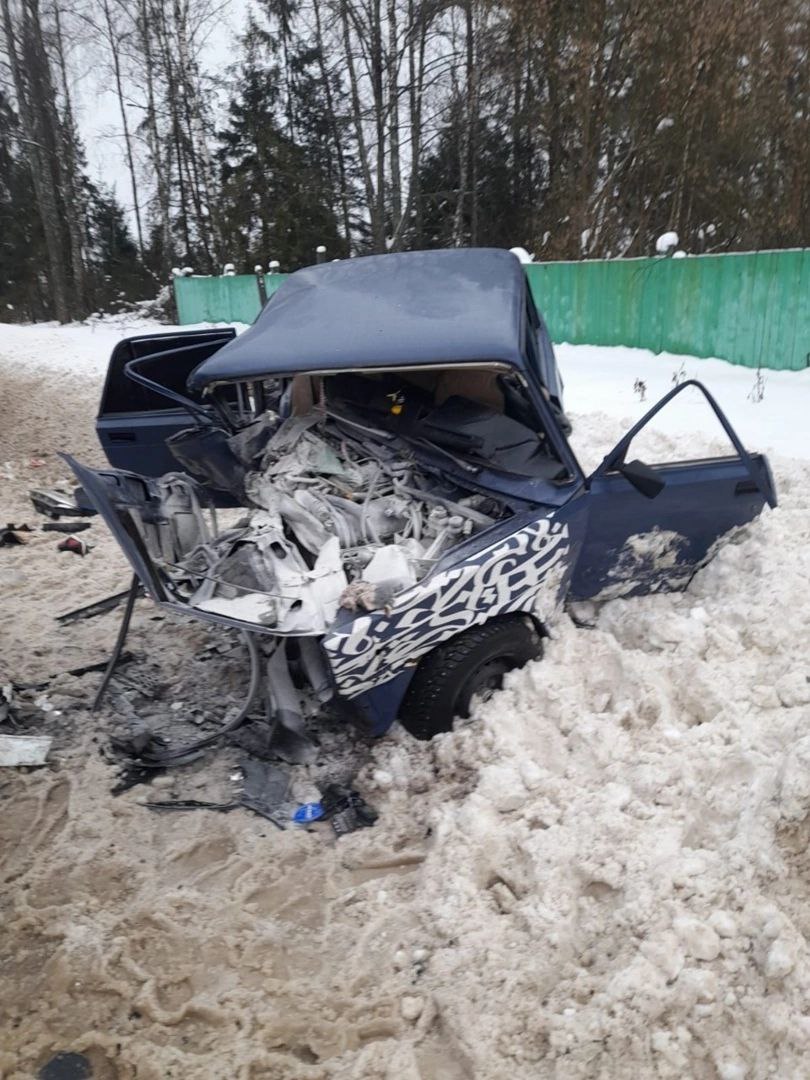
[(97, 108)]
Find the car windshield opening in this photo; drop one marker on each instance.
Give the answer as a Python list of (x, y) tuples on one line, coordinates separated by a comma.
[(481, 416)]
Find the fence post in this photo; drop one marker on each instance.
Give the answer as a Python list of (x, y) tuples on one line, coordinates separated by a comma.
[(259, 272)]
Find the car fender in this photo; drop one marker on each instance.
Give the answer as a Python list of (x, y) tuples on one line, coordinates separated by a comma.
[(527, 569)]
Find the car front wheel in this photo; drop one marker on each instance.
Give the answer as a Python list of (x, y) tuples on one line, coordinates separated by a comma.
[(470, 665)]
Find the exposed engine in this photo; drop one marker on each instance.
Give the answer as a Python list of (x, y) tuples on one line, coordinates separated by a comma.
[(342, 517)]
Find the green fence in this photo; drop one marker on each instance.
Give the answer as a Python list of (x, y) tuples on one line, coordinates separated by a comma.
[(751, 309), (217, 299), (222, 299)]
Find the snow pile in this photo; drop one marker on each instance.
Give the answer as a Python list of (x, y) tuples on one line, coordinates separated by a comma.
[(666, 242), (599, 382), (617, 874), (78, 349)]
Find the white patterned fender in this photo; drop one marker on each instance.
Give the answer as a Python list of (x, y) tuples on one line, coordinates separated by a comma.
[(525, 571)]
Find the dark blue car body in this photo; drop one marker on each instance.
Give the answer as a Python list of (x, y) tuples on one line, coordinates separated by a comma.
[(625, 530)]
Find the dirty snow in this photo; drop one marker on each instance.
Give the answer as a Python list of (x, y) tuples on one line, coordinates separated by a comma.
[(605, 873)]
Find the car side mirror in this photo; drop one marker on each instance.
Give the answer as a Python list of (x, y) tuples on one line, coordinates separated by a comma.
[(644, 479)]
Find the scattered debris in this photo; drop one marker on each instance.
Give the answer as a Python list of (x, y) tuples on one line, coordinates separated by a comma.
[(74, 544), (66, 1066), (11, 534), (347, 810), (266, 790), (151, 751), (55, 504), (273, 739), (100, 665), (98, 607), (24, 749), (16, 710), (307, 813), (193, 804), (640, 388), (66, 526)]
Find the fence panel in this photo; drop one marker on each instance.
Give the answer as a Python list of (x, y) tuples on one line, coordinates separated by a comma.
[(751, 309), (217, 299)]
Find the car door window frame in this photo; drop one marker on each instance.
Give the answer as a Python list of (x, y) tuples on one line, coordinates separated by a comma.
[(617, 455)]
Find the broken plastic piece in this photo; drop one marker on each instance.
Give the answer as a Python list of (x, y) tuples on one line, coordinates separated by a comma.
[(11, 534), (66, 526), (55, 505), (307, 813), (265, 791), (74, 544), (18, 750), (347, 809)]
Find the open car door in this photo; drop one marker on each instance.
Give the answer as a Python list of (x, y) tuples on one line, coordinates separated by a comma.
[(134, 422), (651, 527)]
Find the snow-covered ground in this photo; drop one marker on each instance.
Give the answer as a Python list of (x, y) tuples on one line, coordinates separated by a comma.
[(600, 380), (604, 874), (80, 349)]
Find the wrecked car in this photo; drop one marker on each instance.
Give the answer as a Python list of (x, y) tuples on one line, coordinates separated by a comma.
[(377, 484)]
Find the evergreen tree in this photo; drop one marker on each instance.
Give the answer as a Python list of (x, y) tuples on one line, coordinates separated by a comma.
[(116, 272), (23, 288), (277, 199)]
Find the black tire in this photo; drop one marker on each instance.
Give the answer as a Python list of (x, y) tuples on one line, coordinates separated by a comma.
[(450, 676)]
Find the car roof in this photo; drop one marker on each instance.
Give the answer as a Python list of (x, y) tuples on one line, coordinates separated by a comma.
[(382, 311)]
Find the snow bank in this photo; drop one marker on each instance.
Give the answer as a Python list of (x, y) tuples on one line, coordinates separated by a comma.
[(599, 381), (80, 349), (616, 882)]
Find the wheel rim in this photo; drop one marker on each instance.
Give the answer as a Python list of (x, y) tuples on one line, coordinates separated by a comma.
[(483, 683)]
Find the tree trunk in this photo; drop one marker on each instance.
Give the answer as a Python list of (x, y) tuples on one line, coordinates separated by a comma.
[(39, 160), (392, 65), (73, 202), (337, 141), (377, 220), (113, 41)]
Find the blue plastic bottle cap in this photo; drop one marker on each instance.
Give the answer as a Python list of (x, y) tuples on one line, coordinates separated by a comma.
[(311, 811)]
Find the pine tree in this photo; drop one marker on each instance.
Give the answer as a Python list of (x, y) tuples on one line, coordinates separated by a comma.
[(23, 288), (277, 202)]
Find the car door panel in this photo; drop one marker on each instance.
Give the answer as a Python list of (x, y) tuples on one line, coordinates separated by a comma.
[(134, 422), (637, 543)]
